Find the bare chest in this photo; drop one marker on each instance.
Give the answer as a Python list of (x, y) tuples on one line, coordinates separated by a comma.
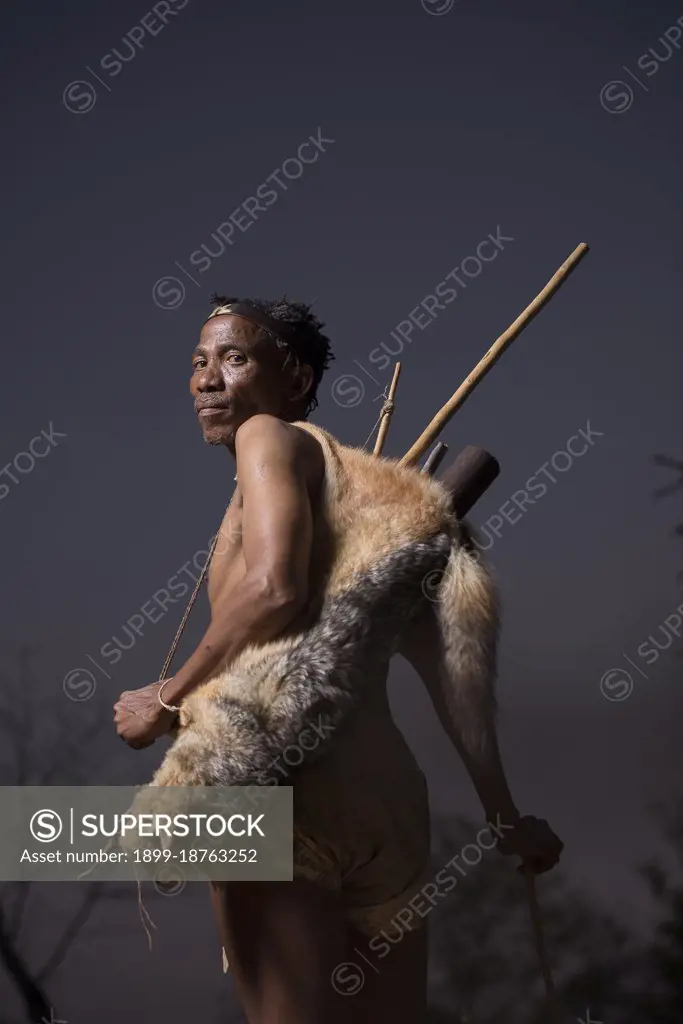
[(227, 566)]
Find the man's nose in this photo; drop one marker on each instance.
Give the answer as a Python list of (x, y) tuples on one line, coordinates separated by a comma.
[(210, 379)]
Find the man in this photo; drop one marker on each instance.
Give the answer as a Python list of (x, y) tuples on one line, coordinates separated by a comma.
[(361, 811)]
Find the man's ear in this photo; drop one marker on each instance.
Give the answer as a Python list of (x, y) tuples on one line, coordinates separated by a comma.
[(302, 382)]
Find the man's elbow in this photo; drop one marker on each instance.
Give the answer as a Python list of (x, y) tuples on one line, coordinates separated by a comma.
[(284, 598)]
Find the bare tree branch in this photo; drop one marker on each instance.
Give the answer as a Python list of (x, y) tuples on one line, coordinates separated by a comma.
[(77, 922), (667, 462), (40, 749), (35, 999)]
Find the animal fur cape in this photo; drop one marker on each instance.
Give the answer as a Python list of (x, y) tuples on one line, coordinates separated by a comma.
[(390, 546)]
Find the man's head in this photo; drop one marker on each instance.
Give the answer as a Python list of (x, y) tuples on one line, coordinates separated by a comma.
[(256, 357)]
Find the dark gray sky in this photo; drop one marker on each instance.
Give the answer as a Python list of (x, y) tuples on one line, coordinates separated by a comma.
[(488, 118)]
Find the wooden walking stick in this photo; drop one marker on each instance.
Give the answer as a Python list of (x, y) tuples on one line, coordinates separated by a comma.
[(429, 435), (559, 1015), (539, 938)]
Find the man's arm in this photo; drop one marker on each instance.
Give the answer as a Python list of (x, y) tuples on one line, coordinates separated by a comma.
[(273, 471), (276, 545), (528, 837), (420, 647)]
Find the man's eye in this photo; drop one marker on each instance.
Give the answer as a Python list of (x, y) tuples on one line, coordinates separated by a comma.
[(198, 364), (235, 357)]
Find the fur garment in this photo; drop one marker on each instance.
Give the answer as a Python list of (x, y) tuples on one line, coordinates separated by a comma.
[(387, 544)]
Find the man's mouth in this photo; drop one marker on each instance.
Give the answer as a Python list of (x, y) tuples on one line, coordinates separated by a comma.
[(211, 410)]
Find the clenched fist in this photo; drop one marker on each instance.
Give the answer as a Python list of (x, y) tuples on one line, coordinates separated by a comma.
[(534, 841), (139, 717)]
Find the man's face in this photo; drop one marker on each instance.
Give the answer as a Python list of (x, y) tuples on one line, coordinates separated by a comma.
[(237, 372)]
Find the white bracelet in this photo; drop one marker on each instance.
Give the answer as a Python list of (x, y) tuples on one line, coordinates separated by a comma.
[(169, 707)]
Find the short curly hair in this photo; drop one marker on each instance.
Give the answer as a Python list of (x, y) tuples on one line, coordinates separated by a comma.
[(307, 344)]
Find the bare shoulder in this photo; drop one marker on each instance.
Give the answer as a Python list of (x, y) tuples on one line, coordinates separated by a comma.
[(266, 437)]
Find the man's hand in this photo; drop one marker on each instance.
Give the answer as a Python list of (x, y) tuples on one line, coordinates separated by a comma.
[(534, 841), (139, 717)]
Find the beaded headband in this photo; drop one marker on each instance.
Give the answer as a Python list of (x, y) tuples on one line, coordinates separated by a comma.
[(249, 312)]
